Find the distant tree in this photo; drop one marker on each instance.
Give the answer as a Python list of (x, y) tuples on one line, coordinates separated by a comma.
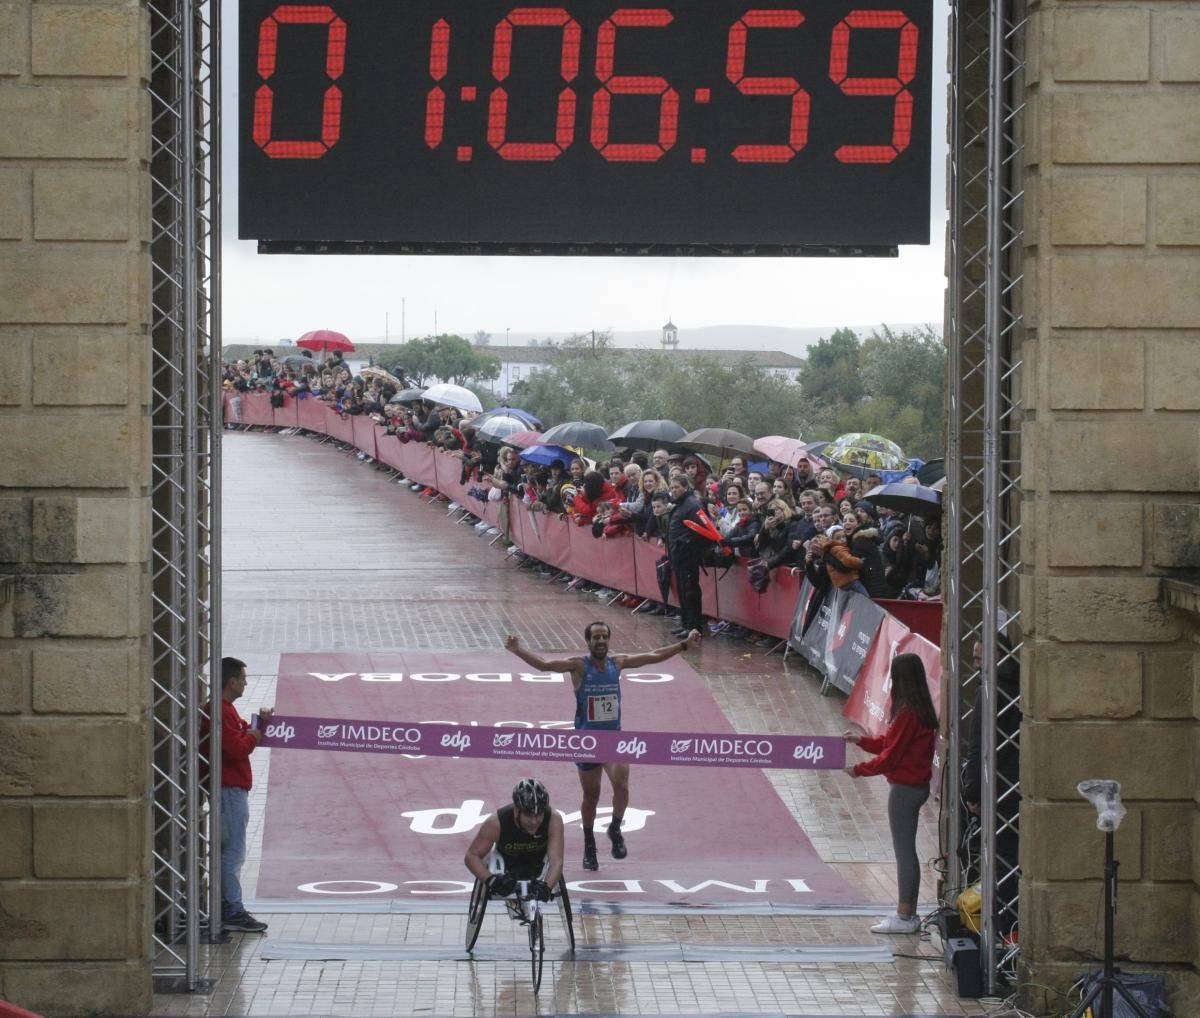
[(446, 358), (482, 338), (592, 343), (831, 373)]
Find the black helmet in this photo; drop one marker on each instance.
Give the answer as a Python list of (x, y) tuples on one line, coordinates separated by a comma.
[(530, 796)]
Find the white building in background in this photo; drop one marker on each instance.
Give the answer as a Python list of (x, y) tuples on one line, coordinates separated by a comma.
[(519, 363)]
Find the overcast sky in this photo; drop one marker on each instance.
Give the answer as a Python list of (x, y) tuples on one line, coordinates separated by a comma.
[(271, 297)]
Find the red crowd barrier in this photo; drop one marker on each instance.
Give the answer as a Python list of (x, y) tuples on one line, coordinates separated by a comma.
[(882, 628)]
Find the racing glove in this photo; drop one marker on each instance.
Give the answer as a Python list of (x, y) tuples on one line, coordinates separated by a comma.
[(539, 890), (501, 885)]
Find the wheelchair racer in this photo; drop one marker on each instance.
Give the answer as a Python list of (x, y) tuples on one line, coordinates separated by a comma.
[(522, 841)]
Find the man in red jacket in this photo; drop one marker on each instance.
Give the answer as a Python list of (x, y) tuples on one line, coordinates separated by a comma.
[(238, 741)]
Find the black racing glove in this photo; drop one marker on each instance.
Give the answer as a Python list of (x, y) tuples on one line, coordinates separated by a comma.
[(501, 885), (539, 890)]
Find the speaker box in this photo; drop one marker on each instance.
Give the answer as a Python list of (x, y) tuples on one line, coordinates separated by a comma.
[(962, 955)]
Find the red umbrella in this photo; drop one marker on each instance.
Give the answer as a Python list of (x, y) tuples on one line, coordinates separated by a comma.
[(324, 339), (523, 439)]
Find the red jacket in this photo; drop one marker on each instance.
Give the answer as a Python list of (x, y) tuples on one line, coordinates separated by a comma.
[(585, 508), (905, 751), (237, 743)]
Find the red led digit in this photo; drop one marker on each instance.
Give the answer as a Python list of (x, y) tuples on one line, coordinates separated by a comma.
[(564, 132), (906, 69), (435, 102), (735, 70), (631, 84), (264, 98)]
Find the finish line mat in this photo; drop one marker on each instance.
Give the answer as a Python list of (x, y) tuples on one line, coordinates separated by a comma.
[(349, 827)]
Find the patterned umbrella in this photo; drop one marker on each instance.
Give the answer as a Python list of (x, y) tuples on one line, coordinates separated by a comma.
[(861, 449)]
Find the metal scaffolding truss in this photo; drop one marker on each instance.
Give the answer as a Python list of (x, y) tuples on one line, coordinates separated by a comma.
[(983, 487), (184, 95)]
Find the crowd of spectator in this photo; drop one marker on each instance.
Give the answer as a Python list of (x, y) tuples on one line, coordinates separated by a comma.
[(803, 517)]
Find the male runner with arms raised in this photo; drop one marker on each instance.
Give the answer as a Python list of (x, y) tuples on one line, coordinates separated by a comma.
[(597, 681)]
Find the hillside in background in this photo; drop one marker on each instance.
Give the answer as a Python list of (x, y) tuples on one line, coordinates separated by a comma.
[(709, 337)]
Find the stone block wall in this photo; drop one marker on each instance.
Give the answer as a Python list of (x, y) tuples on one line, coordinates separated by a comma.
[(1112, 474), (74, 474)]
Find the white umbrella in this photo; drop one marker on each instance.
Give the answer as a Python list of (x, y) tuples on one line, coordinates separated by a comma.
[(446, 394)]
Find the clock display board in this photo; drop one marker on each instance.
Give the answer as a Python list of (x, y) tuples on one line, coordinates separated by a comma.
[(783, 128)]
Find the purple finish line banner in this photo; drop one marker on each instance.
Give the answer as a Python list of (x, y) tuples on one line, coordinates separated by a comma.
[(808, 752)]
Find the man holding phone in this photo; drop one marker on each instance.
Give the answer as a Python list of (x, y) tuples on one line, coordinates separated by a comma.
[(239, 739)]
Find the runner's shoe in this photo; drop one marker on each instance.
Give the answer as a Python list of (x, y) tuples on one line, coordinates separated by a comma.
[(590, 862), (619, 850)]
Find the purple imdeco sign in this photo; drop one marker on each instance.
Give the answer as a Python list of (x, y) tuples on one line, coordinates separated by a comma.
[(695, 749)]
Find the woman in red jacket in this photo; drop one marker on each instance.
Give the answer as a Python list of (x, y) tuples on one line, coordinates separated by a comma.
[(905, 757)]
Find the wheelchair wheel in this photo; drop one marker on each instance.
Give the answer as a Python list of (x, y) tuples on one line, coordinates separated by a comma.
[(479, 900), (564, 902), (537, 948)]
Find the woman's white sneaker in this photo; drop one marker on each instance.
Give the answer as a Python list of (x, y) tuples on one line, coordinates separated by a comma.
[(897, 924)]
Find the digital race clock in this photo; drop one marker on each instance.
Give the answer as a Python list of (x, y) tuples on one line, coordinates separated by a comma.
[(583, 127)]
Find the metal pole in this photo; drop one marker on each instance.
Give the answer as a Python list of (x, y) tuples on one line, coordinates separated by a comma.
[(954, 521), (216, 426), (992, 424), (190, 326)]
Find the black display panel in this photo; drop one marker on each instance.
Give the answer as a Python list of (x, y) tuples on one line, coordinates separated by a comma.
[(682, 128)]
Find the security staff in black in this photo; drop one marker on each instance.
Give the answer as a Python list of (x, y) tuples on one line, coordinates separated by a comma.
[(526, 838)]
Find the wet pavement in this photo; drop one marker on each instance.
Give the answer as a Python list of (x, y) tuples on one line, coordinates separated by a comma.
[(322, 552)]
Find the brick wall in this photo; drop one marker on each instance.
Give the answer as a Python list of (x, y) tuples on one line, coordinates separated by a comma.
[(74, 308), (1112, 469)]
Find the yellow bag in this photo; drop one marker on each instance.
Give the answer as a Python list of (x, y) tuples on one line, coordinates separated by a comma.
[(970, 908)]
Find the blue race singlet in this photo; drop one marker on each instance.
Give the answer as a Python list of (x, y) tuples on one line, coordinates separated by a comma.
[(598, 698)]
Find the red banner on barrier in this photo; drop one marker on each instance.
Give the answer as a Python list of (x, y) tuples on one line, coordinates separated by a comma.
[(604, 560), (645, 565), (364, 434), (337, 426), (256, 409), (922, 617), (310, 412), (286, 415)]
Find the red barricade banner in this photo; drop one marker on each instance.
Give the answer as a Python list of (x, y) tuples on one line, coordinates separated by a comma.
[(607, 561), (417, 458), (923, 617), (645, 565), (388, 449), (553, 533), (256, 409), (337, 426), (770, 612), (286, 416), (311, 414), (363, 429)]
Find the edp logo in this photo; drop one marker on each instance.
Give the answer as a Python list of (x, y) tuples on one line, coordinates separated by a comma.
[(459, 740), (634, 747), (809, 751), (281, 731)]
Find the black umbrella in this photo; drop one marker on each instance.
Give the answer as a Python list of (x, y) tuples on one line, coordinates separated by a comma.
[(580, 434), (648, 435), (407, 396), (907, 498), (718, 441), (299, 360)]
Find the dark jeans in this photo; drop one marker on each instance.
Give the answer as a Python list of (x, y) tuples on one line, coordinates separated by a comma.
[(686, 567)]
